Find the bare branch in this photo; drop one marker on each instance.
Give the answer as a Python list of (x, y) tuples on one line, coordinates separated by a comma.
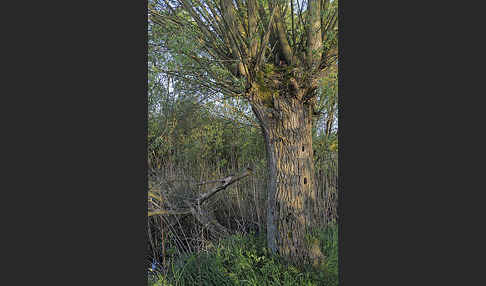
[(195, 206), (261, 54), (226, 182), (168, 212), (282, 36), (314, 39)]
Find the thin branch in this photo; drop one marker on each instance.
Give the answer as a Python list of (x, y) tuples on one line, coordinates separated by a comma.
[(168, 212), (226, 182)]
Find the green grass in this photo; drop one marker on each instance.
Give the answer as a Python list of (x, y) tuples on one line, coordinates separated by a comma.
[(244, 260)]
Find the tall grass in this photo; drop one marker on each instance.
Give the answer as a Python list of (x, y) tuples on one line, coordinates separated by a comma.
[(244, 260), (241, 208)]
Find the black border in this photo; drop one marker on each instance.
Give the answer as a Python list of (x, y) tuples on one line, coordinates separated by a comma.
[(79, 147)]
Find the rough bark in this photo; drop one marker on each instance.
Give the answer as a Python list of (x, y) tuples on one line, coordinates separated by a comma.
[(292, 206)]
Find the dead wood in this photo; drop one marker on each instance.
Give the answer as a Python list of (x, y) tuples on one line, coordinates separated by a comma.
[(196, 206)]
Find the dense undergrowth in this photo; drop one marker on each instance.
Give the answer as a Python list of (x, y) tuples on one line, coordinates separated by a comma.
[(244, 260)]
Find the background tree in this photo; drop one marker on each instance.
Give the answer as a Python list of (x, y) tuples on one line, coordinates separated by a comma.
[(273, 54)]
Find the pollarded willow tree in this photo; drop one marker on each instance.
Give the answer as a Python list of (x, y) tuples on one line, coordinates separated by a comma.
[(272, 53)]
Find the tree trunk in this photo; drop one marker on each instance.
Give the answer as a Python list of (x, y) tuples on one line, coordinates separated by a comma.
[(292, 207)]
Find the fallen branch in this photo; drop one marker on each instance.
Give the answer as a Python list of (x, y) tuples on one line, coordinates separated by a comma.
[(226, 182), (195, 209), (168, 212)]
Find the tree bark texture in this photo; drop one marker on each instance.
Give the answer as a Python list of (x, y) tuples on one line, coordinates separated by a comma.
[(293, 208)]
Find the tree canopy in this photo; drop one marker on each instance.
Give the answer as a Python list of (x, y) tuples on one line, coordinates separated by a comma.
[(226, 45)]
